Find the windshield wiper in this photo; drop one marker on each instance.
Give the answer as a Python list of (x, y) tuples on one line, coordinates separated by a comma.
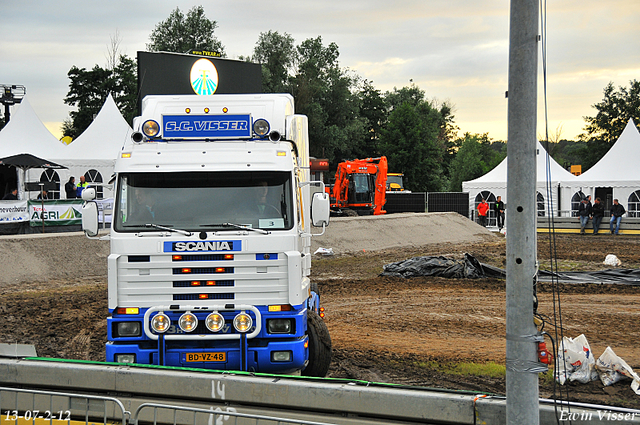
[(236, 226), (169, 229)]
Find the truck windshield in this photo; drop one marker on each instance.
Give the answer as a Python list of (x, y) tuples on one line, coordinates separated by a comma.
[(197, 201)]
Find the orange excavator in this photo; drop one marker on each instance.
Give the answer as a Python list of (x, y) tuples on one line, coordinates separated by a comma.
[(360, 187)]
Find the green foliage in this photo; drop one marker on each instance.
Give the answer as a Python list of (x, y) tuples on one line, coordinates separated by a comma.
[(474, 158), (323, 92), (181, 34), (417, 137), (566, 152), (277, 54), (614, 112), (410, 143), (88, 91), (125, 87), (373, 112)]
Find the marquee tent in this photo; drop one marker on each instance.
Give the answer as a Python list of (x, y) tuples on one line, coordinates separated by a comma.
[(25, 133), (617, 174), (92, 154), (494, 184)]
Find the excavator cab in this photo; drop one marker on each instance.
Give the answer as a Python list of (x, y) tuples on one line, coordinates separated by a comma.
[(361, 189)]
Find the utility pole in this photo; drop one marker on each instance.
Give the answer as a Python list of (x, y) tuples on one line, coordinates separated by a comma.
[(522, 359)]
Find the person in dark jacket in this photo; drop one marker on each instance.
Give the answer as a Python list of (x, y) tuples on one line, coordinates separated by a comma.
[(597, 212), (617, 211), (584, 211), (498, 207), (12, 195), (70, 188)]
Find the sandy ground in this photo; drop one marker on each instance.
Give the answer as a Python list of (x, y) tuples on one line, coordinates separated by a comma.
[(406, 230), (405, 331)]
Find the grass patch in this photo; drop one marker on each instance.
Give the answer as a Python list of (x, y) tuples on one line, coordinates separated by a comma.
[(490, 369)]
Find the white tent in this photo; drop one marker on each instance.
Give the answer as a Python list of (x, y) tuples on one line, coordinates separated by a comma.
[(494, 184), (92, 154), (617, 174), (25, 133)]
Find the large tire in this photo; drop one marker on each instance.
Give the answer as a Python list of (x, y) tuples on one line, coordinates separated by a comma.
[(319, 346)]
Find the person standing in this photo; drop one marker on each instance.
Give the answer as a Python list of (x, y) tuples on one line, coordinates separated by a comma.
[(70, 188), (617, 211), (584, 211), (12, 195), (498, 207), (597, 212), (483, 208), (81, 186)]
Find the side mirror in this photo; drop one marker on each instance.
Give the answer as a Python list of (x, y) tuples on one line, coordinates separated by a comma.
[(320, 209), (89, 194), (90, 217)]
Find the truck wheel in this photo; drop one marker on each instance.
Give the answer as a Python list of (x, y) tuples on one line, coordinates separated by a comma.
[(319, 346)]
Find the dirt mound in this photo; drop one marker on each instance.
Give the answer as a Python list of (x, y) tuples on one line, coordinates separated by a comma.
[(351, 234), (41, 257)]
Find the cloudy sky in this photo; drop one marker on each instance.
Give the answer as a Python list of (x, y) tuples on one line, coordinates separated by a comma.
[(455, 50)]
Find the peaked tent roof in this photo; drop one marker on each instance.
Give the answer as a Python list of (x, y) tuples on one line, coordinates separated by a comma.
[(25, 133), (104, 138), (497, 178), (619, 166)]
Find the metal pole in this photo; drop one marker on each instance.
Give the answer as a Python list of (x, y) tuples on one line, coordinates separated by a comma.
[(521, 361), (42, 204)]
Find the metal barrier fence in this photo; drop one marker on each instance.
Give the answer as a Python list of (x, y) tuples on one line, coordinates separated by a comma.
[(209, 416), (22, 406)]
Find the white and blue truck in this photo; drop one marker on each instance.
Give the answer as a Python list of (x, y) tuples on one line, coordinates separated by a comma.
[(210, 238)]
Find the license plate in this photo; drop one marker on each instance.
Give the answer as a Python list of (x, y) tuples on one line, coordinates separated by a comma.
[(206, 357)]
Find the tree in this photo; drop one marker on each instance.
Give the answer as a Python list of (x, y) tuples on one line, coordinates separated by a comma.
[(88, 91), (125, 87), (614, 112), (373, 113), (475, 157), (324, 93), (433, 137), (181, 34), (410, 143), (277, 54)]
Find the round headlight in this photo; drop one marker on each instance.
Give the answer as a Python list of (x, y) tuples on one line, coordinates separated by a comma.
[(214, 322), (261, 127), (160, 323), (242, 322), (150, 128), (188, 322)]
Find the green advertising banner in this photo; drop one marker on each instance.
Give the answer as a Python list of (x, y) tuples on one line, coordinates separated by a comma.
[(55, 213)]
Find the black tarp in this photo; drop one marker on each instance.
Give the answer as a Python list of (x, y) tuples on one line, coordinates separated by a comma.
[(467, 268), (471, 268)]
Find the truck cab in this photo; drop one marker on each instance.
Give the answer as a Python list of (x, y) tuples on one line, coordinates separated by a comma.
[(210, 238)]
